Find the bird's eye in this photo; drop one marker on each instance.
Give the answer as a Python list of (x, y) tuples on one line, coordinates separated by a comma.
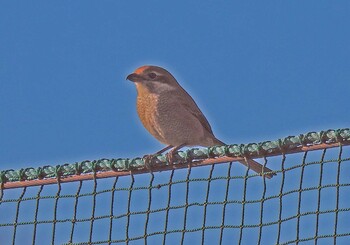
[(152, 75)]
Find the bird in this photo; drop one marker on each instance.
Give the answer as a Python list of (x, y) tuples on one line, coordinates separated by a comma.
[(171, 115)]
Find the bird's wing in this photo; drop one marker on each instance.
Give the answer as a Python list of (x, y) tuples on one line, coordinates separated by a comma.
[(191, 106)]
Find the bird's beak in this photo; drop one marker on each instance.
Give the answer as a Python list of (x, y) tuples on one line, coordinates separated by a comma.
[(133, 77)]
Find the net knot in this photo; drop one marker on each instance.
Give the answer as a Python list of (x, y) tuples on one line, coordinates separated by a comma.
[(311, 138), (268, 147), (40, 173), (103, 164), (281, 146), (3, 178), (243, 150), (22, 174), (78, 168), (292, 142), (220, 151), (233, 150), (67, 169), (339, 133), (58, 171), (345, 134), (113, 165), (323, 136), (86, 166), (210, 152), (217, 151), (118, 164), (196, 153), (31, 173), (251, 150), (137, 163), (94, 166)]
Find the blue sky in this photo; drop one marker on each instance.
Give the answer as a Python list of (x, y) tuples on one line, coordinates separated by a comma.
[(259, 70)]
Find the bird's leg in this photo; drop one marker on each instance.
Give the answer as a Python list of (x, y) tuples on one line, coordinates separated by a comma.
[(148, 158), (170, 155), (164, 149)]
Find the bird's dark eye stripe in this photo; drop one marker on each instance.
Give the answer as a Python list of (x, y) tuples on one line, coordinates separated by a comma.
[(152, 75)]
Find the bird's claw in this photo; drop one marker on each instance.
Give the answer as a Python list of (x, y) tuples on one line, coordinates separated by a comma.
[(148, 161), (170, 158)]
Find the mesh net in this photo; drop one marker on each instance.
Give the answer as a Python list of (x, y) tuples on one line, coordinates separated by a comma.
[(308, 200)]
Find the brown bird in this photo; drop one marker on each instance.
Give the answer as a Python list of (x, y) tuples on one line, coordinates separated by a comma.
[(170, 114)]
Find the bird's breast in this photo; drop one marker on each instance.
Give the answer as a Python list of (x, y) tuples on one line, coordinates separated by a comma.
[(147, 109)]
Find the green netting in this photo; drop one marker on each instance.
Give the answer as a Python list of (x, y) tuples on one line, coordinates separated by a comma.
[(307, 201)]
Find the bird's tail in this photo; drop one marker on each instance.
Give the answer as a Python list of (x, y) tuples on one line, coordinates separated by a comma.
[(250, 163)]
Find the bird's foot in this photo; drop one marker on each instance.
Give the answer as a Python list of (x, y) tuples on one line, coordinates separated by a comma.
[(148, 161), (170, 157), (171, 154)]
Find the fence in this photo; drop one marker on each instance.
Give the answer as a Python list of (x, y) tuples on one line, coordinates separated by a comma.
[(205, 198)]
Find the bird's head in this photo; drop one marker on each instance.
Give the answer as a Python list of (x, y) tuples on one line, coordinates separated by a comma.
[(153, 78)]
